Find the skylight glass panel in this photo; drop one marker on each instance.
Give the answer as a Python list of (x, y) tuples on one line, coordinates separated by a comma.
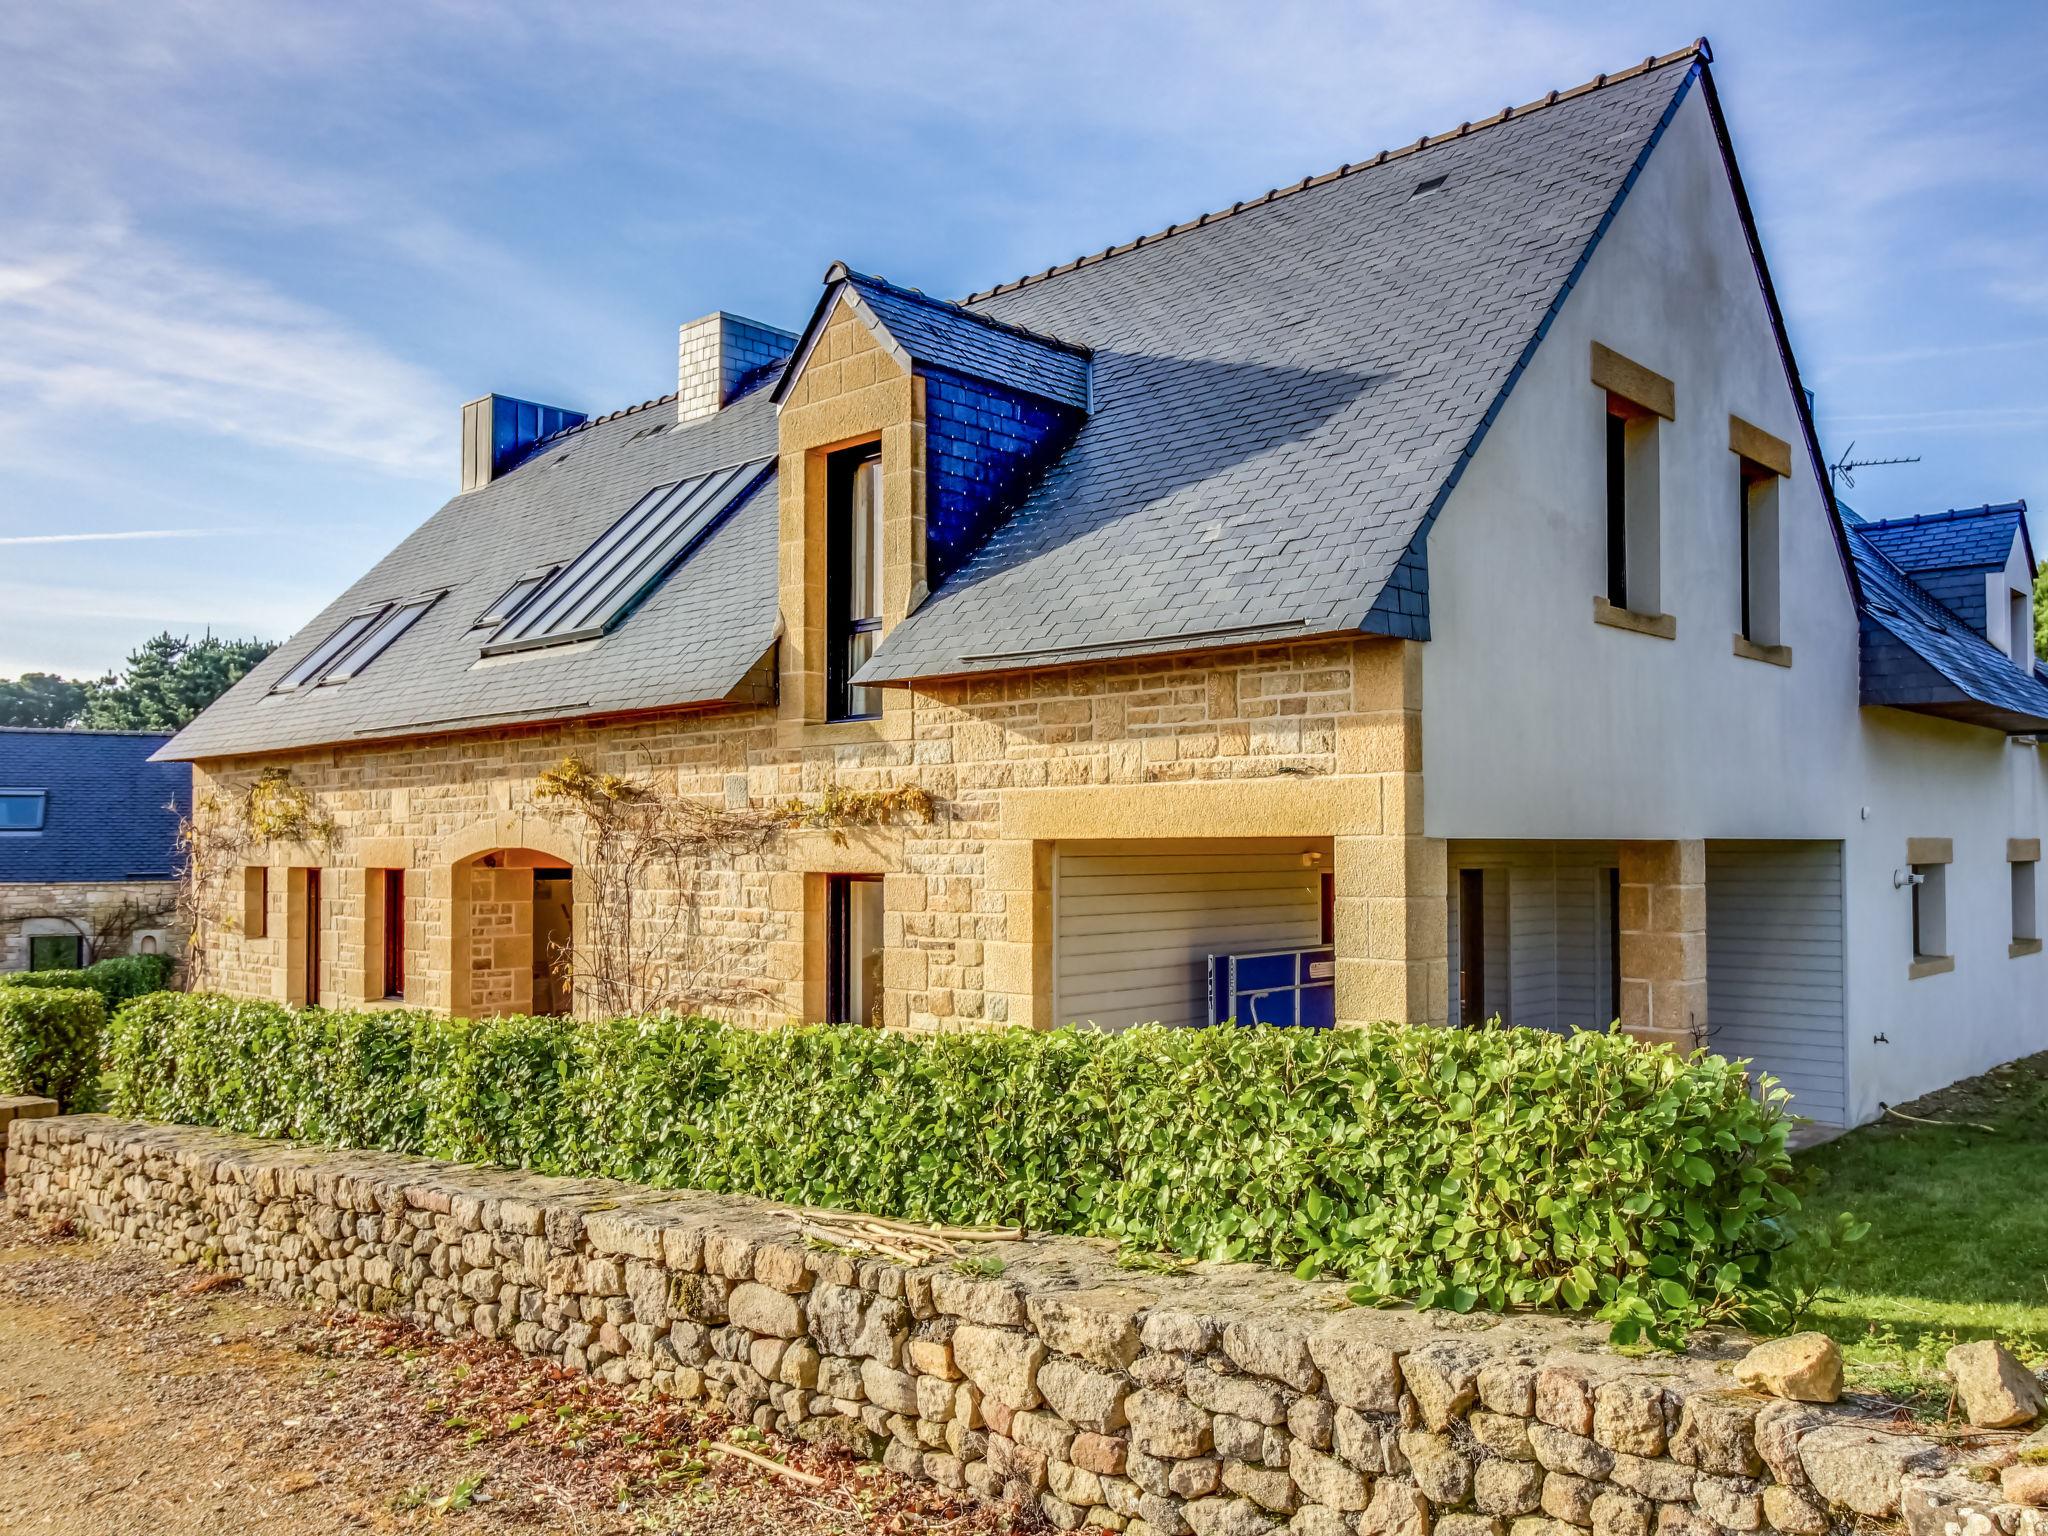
[(378, 639), (316, 661), (512, 599), (597, 589), (21, 810)]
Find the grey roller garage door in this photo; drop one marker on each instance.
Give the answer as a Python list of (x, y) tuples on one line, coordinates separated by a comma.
[(1135, 923), (1774, 966)]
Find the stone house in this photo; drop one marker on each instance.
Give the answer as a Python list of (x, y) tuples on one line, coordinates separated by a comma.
[(88, 847), (1312, 611)]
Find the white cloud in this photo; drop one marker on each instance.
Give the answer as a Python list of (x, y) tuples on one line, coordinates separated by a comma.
[(126, 535), (100, 319)]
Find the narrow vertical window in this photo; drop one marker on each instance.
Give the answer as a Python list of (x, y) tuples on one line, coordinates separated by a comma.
[(2020, 628), (1472, 946), (1930, 912), (1758, 570), (2026, 922), (853, 949), (256, 901), (1614, 944), (1742, 517), (1634, 532), (1617, 508), (311, 955), (853, 578), (393, 937)]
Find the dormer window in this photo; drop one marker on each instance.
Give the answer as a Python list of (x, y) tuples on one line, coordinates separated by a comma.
[(2020, 628), (853, 578)]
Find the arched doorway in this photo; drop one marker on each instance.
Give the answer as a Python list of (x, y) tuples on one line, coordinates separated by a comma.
[(514, 931)]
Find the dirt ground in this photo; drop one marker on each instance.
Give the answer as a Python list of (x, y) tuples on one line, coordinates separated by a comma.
[(134, 1398)]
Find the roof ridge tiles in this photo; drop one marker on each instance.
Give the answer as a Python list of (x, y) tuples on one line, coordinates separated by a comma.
[(840, 271), (1952, 514), (1698, 48)]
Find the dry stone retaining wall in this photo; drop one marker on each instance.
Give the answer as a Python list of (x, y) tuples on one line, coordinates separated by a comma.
[(1229, 1401)]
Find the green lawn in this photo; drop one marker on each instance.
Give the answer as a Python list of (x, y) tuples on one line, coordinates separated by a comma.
[(1958, 1246)]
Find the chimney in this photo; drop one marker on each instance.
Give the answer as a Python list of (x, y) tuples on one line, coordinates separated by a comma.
[(715, 353), (497, 430)]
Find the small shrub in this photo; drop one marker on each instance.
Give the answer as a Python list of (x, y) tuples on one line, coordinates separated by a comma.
[(116, 980), (50, 1043)]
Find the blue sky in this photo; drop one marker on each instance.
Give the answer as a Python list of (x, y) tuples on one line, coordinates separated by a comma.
[(254, 256)]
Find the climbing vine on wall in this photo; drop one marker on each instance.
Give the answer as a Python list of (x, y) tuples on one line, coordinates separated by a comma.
[(222, 834), (641, 950)]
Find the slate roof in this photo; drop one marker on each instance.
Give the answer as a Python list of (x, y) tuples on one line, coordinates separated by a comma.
[(1283, 395), (691, 642), (1280, 397), (948, 335), (1963, 538), (1916, 653), (111, 813)]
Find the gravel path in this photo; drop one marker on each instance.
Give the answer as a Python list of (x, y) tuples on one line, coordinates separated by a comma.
[(139, 1399)]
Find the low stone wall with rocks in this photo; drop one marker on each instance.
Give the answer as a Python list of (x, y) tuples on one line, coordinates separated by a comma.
[(1224, 1401)]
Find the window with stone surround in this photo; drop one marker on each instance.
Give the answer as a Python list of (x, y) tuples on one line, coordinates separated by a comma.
[(256, 901), (1757, 569), (853, 949), (1930, 912), (853, 578), (1633, 516), (384, 946), (2026, 921)]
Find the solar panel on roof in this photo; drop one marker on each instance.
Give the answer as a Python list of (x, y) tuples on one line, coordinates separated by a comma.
[(628, 560)]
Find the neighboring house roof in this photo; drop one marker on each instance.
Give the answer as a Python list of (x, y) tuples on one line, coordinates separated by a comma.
[(1283, 395), (942, 334), (1917, 653), (110, 813), (1963, 538), (692, 641)]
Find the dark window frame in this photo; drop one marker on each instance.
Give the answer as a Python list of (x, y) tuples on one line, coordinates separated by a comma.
[(76, 941), (41, 800), (839, 957), (393, 937), (311, 956), (843, 627), (1471, 946), (1617, 508)]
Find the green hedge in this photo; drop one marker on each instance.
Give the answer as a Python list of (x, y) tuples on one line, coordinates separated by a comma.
[(116, 980), (1494, 1167), (50, 1043)]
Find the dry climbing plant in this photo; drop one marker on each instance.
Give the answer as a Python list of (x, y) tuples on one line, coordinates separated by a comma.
[(643, 946), (219, 836)]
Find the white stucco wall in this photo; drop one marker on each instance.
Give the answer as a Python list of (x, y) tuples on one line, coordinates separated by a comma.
[(1539, 723)]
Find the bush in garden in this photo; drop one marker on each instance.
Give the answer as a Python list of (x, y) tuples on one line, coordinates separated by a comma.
[(115, 980), (50, 1043), (1457, 1168)]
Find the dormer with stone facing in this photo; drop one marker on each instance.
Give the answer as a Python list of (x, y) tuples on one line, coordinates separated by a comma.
[(909, 429)]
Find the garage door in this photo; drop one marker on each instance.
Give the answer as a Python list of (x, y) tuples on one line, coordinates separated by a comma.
[(1774, 966), (1135, 923)]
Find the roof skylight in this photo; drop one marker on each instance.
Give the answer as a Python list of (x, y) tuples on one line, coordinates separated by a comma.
[(314, 665), (360, 640), (396, 621), (513, 598), (597, 589)]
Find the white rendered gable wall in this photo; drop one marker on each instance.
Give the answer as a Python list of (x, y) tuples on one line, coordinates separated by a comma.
[(1539, 723)]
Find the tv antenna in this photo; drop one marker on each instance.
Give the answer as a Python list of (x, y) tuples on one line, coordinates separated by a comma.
[(1844, 469)]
